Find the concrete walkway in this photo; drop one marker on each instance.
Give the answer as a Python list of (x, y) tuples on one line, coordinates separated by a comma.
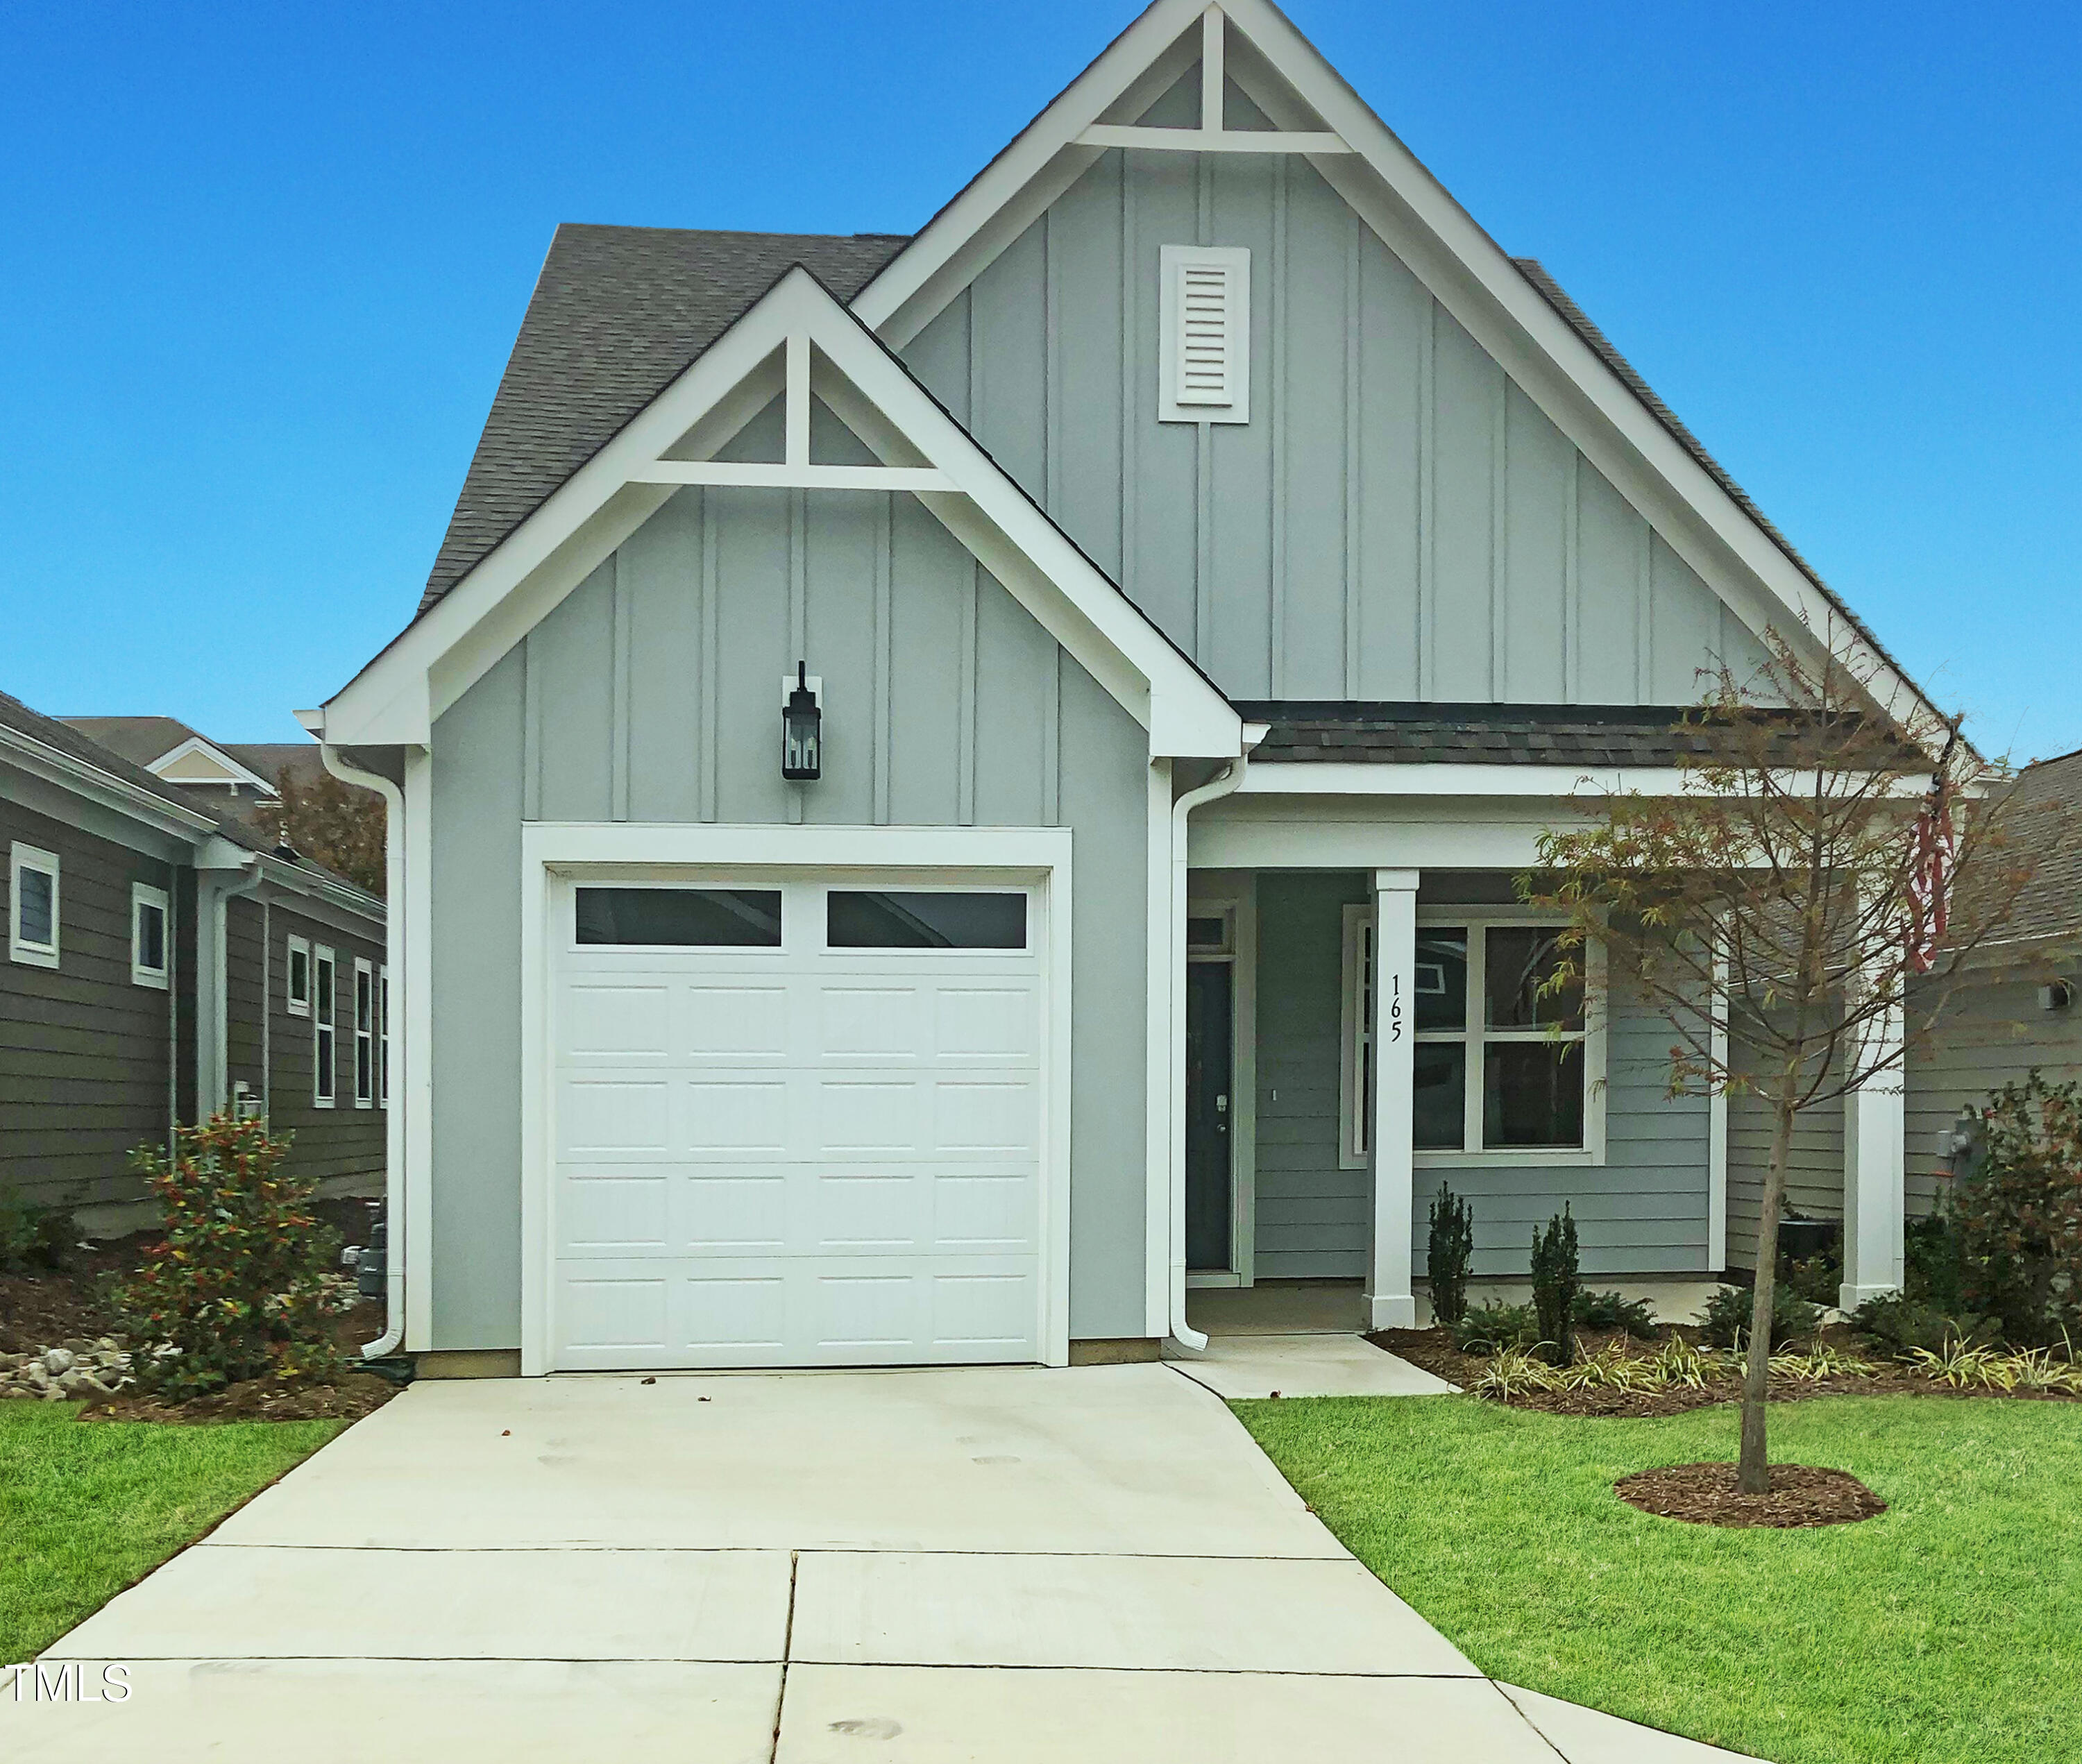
[(1005, 1565)]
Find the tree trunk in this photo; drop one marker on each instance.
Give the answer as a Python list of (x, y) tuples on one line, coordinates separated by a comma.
[(1753, 1469)]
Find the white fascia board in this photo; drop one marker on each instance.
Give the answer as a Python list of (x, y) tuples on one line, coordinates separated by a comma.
[(395, 700), (84, 779), (1471, 276), (194, 746), (1275, 777)]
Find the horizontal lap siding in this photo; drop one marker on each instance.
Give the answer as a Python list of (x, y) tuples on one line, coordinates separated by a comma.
[(342, 1142), (1991, 1035), (83, 1050), (1814, 1164), (1643, 1210)]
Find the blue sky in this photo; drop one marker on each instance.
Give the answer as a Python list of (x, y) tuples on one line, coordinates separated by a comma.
[(261, 267)]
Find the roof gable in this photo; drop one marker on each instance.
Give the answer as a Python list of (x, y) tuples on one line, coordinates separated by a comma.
[(797, 341)]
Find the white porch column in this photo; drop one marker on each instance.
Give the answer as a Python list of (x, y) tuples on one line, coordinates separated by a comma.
[(1875, 1159), (1390, 1304)]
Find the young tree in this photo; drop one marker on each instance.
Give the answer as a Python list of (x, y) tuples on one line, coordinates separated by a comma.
[(333, 824), (1820, 853)]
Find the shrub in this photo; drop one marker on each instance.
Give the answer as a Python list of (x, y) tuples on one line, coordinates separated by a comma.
[(1816, 1279), (1934, 1262), (1908, 1325), (1515, 1371), (1452, 1254), (1555, 1282), (2019, 1214), (1609, 1311), (1491, 1328), (32, 1236), (1725, 1321), (239, 1287)]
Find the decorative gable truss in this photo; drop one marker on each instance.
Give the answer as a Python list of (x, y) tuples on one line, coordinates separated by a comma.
[(1250, 46), (798, 344)]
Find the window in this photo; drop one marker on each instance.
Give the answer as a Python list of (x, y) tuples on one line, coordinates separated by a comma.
[(324, 1003), (1204, 343), (148, 936), (1499, 1069), (680, 917), (298, 978), (364, 1034), (32, 907), (878, 919), (383, 1037)]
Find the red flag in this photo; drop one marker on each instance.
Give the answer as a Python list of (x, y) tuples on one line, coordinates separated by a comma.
[(1930, 878)]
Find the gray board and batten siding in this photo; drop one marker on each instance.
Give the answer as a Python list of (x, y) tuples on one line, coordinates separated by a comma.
[(1643, 1210), (651, 695), (85, 1052), (1397, 521)]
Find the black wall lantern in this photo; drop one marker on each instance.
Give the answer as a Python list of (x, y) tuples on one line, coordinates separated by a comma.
[(802, 727)]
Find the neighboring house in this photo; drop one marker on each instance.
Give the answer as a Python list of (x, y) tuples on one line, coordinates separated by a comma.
[(243, 777), (1190, 574), (161, 965)]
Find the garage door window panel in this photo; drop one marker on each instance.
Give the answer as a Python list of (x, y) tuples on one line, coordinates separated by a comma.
[(680, 918), (887, 919)]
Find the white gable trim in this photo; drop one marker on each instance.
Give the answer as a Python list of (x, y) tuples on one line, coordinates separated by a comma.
[(1466, 269), (195, 747), (396, 697)]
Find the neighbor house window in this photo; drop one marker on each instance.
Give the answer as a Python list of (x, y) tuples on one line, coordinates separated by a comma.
[(364, 1034), (323, 1005), (383, 1037), (1502, 1066), (297, 971), (32, 907), (148, 936)]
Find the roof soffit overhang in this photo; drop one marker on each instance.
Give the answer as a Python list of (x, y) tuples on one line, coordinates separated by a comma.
[(1470, 275), (798, 326)]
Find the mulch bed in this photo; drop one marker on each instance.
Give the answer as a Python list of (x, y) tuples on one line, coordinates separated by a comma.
[(1433, 1350), (1706, 1494), (347, 1398)]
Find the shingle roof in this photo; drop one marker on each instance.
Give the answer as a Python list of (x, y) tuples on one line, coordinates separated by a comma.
[(618, 314), (1552, 292), (75, 744), (2045, 825), (1583, 736)]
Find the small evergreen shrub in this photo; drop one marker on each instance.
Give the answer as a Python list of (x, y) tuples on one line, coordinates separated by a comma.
[(32, 1236), (1935, 1262), (1817, 1278), (1491, 1328), (1452, 1255), (1556, 1281), (2019, 1215), (1609, 1311), (1911, 1326), (242, 1286), (1725, 1321)]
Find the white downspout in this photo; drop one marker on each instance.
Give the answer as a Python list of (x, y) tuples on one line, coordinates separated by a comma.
[(1224, 781), (394, 1127)]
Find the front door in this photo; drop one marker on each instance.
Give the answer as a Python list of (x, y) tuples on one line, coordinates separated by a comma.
[(1208, 1185)]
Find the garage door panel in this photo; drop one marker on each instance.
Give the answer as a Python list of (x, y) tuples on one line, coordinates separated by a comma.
[(604, 1115), (796, 1156)]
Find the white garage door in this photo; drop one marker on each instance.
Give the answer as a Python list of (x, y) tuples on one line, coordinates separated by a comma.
[(795, 1123)]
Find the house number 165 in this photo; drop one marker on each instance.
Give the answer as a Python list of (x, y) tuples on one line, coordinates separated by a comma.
[(1395, 1007)]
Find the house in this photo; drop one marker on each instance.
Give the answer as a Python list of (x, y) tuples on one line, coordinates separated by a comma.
[(164, 962), (950, 788), (243, 777)]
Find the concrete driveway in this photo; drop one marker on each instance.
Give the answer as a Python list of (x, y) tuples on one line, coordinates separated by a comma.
[(1001, 1565)]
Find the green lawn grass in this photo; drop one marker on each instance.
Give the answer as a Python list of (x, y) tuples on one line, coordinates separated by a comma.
[(87, 1508), (1948, 1628)]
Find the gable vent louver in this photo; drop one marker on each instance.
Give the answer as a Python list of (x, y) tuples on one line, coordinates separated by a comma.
[(1206, 340)]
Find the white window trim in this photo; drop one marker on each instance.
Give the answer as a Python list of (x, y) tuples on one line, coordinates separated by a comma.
[(383, 1037), (1353, 1152), (325, 1030), (43, 863), (364, 1003), (144, 895), (1173, 403), (297, 1007)]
